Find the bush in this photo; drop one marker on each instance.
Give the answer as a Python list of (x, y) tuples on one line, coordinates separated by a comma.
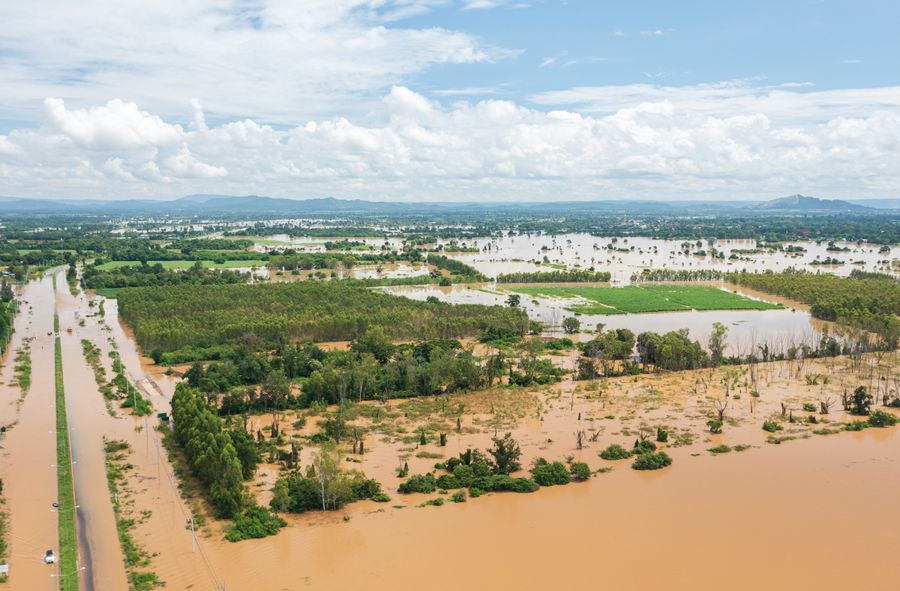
[(861, 402), (882, 418), (715, 426), (809, 407), (771, 426), (547, 474), (254, 522), (856, 425), (643, 447), (459, 496), (447, 482), (615, 452), (420, 483), (503, 483), (580, 471), (662, 435), (381, 497), (652, 461), (720, 449)]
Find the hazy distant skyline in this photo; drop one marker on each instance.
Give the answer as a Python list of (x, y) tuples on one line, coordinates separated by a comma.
[(488, 100)]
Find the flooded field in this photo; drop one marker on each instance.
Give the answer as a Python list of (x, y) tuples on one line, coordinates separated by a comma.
[(746, 328), (624, 257), (775, 501)]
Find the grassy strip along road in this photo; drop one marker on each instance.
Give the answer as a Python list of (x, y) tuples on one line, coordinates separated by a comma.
[(68, 547)]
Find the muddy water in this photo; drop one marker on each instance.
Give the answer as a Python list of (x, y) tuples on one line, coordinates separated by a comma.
[(746, 328), (630, 255), (28, 454), (98, 538), (770, 517), (775, 516)]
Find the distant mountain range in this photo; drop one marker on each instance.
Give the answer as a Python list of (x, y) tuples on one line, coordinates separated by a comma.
[(253, 204)]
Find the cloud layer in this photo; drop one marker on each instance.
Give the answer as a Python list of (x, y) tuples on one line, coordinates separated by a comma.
[(492, 150), (275, 59)]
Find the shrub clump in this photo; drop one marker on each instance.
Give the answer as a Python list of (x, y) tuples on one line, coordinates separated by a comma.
[(580, 471), (882, 418), (644, 446), (254, 522), (654, 460), (550, 474), (771, 426), (420, 483), (615, 452)]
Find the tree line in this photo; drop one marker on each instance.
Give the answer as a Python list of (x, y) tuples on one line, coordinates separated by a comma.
[(863, 301), (566, 276)]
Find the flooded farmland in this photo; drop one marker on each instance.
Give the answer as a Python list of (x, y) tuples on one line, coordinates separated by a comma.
[(769, 500)]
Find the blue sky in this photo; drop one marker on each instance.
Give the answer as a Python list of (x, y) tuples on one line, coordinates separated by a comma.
[(450, 99), (830, 44)]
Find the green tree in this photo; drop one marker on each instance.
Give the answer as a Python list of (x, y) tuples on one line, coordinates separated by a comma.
[(506, 454)]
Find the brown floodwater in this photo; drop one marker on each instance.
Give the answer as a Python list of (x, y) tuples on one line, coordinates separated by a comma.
[(814, 512), (28, 448), (99, 547), (774, 516)]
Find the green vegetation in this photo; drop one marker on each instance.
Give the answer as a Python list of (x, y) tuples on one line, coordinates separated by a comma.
[(8, 310), (568, 276), (869, 303), (22, 367), (204, 316), (115, 275), (68, 546), (213, 453), (652, 461), (771, 426), (651, 275), (615, 452), (183, 264), (136, 558), (882, 418), (648, 298), (325, 486), (254, 522), (550, 473)]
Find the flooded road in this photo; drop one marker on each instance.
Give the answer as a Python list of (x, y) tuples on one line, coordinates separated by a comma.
[(99, 548), (28, 454)]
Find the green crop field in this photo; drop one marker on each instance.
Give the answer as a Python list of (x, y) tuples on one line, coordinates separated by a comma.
[(647, 298), (186, 264)]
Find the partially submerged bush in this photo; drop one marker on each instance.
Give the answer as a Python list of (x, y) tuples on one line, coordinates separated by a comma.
[(459, 496), (860, 402), (580, 471), (882, 418), (615, 452), (420, 483), (771, 426), (662, 435), (503, 483), (720, 449), (550, 474), (254, 522), (652, 461), (644, 446)]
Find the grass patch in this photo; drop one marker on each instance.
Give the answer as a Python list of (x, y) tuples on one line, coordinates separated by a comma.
[(68, 548), (638, 299), (134, 555), (22, 367)]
